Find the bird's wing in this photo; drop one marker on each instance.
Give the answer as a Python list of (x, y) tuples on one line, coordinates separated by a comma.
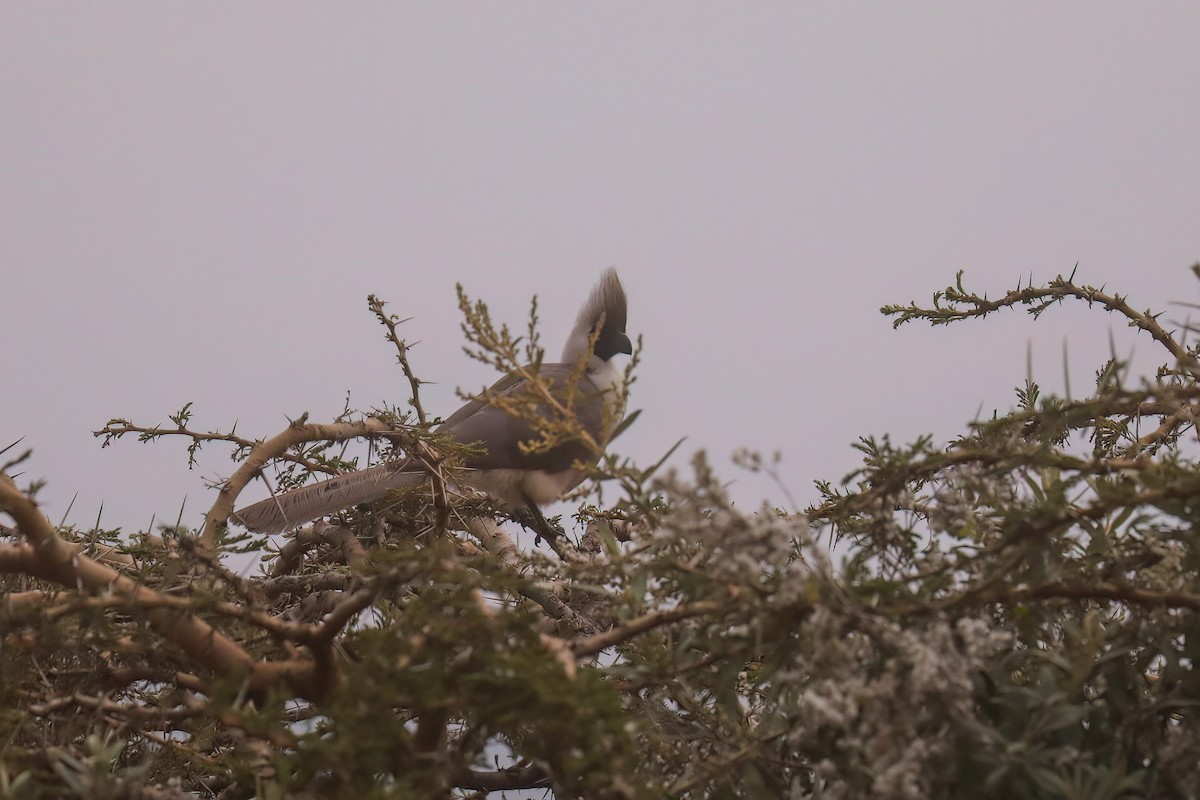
[(500, 434), (502, 386)]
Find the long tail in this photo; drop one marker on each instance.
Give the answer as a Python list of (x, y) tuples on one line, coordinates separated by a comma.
[(303, 505)]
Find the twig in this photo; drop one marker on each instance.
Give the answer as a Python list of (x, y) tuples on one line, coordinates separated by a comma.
[(390, 321), (639, 625), (299, 432)]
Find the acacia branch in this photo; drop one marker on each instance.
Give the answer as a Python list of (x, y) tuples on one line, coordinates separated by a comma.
[(279, 628), (120, 427), (498, 545), (345, 610), (390, 322), (965, 305), (932, 465), (48, 557), (351, 551), (527, 777), (297, 433), (592, 645), (1102, 590)]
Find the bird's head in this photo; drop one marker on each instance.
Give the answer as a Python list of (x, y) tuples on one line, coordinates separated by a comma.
[(605, 311)]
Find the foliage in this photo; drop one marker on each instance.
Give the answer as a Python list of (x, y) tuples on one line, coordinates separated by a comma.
[(1012, 614)]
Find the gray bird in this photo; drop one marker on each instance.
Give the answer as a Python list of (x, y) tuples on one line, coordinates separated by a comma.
[(498, 466)]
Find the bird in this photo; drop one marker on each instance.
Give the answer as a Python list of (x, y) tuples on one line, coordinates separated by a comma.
[(523, 478)]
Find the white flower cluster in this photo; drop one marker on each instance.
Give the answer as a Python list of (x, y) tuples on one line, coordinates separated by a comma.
[(873, 699)]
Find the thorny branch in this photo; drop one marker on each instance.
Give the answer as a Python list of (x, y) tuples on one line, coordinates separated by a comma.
[(48, 557), (961, 304), (116, 428), (390, 322), (298, 433)]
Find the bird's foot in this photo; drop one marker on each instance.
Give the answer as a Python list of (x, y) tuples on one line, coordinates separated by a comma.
[(532, 518)]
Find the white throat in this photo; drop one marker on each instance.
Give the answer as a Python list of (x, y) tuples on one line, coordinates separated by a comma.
[(609, 379), (607, 376)]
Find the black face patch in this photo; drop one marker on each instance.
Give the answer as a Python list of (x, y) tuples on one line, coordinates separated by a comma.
[(610, 342)]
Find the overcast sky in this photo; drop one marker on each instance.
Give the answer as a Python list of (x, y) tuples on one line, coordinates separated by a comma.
[(197, 198)]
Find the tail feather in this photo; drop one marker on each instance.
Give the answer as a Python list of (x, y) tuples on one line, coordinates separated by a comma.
[(303, 505)]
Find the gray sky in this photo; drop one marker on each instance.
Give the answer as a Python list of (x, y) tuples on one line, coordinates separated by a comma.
[(196, 200)]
